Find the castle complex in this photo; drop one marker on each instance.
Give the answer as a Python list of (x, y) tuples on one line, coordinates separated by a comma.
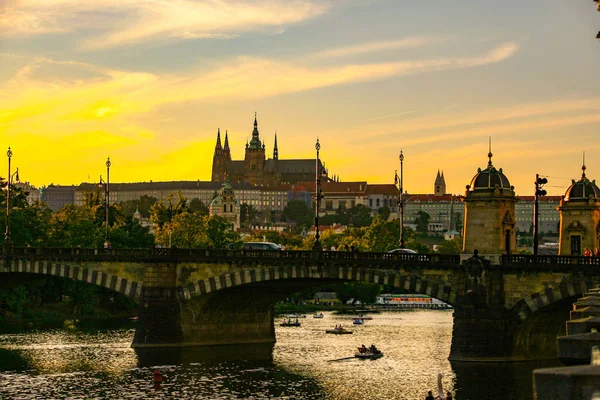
[(256, 169)]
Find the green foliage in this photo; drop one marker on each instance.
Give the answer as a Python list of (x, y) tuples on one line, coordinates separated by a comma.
[(299, 212), (384, 212), (163, 212), (248, 214), (364, 292), (196, 205), (74, 226), (453, 246), (422, 221), (194, 230), (13, 300), (143, 205)]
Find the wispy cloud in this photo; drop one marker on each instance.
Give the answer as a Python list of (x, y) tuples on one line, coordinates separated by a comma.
[(362, 48), (133, 21), (392, 115)]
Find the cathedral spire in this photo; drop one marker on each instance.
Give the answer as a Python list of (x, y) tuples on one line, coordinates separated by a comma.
[(583, 168), (218, 146), (275, 150), (226, 146), (490, 153)]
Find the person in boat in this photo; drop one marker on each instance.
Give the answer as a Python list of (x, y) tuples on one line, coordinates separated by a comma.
[(296, 320), (373, 349), (429, 396), (363, 349), (448, 396)]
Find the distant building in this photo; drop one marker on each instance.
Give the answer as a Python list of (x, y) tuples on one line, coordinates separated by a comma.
[(33, 193), (56, 196), (225, 205), (259, 170)]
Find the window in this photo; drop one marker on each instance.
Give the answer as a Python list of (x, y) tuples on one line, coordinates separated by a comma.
[(377, 202), (371, 203)]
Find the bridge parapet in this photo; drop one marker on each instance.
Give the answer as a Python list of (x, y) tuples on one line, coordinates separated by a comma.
[(294, 257), (551, 262)]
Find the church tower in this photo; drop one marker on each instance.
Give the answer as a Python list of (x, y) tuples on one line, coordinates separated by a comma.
[(275, 150), (490, 213), (440, 184), (580, 217), (226, 150), (254, 161), (218, 166)]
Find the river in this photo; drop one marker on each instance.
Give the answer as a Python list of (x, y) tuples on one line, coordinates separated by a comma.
[(305, 363)]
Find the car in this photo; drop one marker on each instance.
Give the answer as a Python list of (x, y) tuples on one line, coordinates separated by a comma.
[(402, 251), (263, 246)]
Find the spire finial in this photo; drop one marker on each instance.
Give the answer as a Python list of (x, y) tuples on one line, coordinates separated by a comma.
[(275, 149), (255, 123), (490, 153), (583, 168), (218, 146)]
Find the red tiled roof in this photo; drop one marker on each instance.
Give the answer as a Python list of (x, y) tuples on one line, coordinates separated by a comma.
[(386, 189)]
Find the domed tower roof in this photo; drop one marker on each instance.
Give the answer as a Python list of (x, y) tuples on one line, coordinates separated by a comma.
[(583, 189), (489, 178)]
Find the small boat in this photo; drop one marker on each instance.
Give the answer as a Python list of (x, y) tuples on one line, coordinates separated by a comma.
[(358, 322), (361, 317), (339, 331), (296, 316), (319, 315), (368, 355), (286, 323)]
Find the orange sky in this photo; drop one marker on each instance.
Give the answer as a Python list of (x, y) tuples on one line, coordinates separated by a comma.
[(149, 82)]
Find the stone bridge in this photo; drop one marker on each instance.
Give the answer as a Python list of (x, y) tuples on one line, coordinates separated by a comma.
[(188, 297)]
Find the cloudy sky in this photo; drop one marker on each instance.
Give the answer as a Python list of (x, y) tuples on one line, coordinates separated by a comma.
[(148, 82)]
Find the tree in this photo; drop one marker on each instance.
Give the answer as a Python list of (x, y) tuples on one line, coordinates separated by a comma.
[(143, 205), (162, 212), (221, 234), (384, 212), (74, 226), (248, 214), (196, 205), (299, 212), (453, 246), (422, 221), (359, 215), (364, 292)]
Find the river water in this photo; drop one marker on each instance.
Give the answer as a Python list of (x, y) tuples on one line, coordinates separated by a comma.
[(305, 363)]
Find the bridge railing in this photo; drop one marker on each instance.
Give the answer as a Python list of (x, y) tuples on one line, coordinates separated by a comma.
[(527, 259), (176, 254)]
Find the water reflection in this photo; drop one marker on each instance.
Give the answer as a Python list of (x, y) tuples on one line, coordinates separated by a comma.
[(305, 363), (260, 353)]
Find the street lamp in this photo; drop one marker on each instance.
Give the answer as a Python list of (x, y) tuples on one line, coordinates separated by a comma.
[(318, 196), (399, 181), (539, 182), (107, 202), (8, 184)]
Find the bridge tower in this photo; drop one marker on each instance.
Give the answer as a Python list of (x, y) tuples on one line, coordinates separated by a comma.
[(580, 217), (490, 214)]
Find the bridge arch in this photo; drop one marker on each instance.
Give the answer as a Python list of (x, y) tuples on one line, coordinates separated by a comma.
[(78, 272), (541, 317), (439, 286)]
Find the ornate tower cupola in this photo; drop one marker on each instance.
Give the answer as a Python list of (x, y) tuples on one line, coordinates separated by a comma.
[(490, 213), (440, 184), (275, 150), (580, 217)]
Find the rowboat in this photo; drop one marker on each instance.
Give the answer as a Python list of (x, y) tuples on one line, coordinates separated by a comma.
[(289, 324), (339, 331), (368, 355), (358, 322), (320, 315)]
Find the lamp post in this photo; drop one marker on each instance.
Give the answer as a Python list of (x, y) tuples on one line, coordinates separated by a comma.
[(318, 196), (107, 202), (9, 154), (539, 182), (399, 180)]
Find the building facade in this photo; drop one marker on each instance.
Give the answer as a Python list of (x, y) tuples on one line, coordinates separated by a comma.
[(580, 217), (259, 170), (490, 225), (225, 205)]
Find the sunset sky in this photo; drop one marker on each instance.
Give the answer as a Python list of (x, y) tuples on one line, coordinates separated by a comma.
[(148, 82)]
